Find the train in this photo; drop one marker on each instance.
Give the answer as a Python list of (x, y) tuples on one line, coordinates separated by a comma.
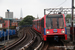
[(51, 26)]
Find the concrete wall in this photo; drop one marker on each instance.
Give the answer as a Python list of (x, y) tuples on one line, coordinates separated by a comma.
[(10, 14)]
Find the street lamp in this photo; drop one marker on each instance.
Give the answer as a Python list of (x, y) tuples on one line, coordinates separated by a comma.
[(8, 24)]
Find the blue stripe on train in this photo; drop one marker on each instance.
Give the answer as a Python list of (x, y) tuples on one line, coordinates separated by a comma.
[(44, 31), (65, 31)]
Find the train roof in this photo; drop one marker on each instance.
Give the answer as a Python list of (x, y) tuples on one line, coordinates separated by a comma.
[(37, 19), (46, 15)]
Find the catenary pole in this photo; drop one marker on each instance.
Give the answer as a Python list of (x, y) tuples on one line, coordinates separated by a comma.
[(72, 18)]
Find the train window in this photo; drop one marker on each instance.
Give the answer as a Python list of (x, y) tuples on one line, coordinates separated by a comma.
[(61, 23), (42, 23), (54, 22), (39, 22), (48, 24), (51, 23), (34, 22), (57, 22)]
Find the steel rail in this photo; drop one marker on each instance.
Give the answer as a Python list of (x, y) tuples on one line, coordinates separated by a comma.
[(16, 42), (30, 42)]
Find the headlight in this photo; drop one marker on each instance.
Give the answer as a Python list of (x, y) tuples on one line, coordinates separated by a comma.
[(62, 31), (47, 32)]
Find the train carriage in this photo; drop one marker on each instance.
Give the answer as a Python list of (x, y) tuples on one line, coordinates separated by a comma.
[(51, 25)]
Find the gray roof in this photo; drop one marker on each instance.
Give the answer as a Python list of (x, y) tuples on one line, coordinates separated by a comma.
[(9, 19), (18, 20)]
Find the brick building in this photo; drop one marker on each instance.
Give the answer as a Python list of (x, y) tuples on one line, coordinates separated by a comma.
[(12, 22), (4, 22)]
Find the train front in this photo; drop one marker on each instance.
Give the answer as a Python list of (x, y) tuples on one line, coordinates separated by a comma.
[(56, 26)]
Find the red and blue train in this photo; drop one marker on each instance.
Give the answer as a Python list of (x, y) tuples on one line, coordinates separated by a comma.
[(51, 25)]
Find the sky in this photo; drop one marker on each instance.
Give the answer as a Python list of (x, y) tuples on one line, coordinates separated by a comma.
[(30, 7)]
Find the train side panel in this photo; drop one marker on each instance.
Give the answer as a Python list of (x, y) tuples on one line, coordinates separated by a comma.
[(65, 28)]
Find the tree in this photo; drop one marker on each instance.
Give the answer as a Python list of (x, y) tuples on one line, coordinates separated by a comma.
[(27, 20), (68, 18)]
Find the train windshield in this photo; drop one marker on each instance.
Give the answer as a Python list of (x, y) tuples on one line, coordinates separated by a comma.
[(54, 22)]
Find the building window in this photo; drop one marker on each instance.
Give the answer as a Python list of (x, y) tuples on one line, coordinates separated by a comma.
[(13, 24)]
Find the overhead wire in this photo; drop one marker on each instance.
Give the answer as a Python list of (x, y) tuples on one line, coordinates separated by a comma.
[(61, 3)]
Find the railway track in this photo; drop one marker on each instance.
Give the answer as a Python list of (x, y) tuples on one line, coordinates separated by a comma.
[(31, 41), (37, 42), (53, 45), (21, 37), (24, 42), (3, 47)]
